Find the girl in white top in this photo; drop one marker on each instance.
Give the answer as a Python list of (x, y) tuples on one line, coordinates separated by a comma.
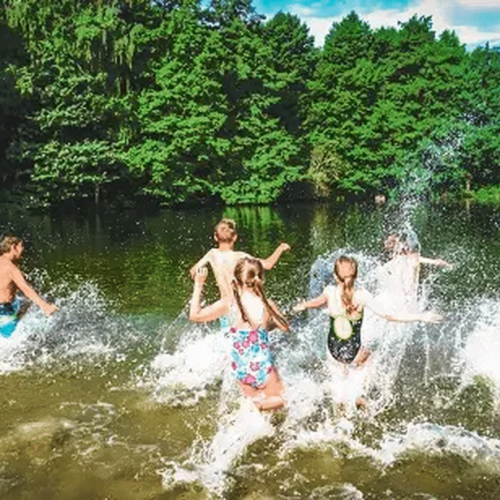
[(346, 306), (252, 316)]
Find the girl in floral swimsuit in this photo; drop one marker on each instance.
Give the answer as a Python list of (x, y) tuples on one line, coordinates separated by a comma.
[(253, 316)]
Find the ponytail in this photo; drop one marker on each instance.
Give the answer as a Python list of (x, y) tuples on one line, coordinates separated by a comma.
[(237, 296), (250, 272), (279, 319), (346, 270), (347, 294)]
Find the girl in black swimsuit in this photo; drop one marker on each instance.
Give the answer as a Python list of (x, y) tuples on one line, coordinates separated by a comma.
[(345, 306)]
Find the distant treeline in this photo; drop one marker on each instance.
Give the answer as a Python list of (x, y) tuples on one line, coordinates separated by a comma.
[(178, 102)]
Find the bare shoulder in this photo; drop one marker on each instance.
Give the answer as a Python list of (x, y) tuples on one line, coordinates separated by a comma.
[(7, 267)]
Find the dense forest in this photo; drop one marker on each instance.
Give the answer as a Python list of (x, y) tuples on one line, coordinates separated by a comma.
[(182, 101)]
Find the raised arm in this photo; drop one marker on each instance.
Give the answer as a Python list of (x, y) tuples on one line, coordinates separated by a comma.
[(435, 262), (401, 316), (26, 289), (309, 304), (211, 312), (202, 262), (270, 262)]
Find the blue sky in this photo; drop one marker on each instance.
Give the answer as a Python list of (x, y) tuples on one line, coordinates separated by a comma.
[(475, 22)]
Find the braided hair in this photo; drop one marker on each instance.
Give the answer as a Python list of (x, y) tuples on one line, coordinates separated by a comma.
[(346, 271), (249, 273)]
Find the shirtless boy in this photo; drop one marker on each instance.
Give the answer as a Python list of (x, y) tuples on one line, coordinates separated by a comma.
[(223, 259), (12, 280)]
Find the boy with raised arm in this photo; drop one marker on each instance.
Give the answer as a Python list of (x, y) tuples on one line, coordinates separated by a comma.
[(12, 280), (223, 259)]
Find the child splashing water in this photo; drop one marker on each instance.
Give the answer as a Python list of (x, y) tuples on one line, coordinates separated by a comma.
[(399, 277), (346, 306), (252, 316), (223, 259)]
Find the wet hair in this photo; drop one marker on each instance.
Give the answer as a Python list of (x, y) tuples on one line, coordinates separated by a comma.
[(346, 271), (7, 242), (249, 272), (225, 231), (395, 244)]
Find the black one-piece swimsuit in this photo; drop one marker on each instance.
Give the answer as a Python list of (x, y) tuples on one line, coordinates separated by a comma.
[(345, 350)]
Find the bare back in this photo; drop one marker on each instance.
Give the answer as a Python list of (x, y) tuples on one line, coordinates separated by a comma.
[(255, 310), (8, 288), (223, 263), (400, 279)]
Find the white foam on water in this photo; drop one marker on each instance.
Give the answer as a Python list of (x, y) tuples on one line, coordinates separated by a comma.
[(347, 384), (303, 396), (182, 377), (83, 327), (436, 440), (210, 463), (345, 491), (482, 347)]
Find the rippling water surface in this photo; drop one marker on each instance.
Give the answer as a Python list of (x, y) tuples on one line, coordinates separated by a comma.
[(118, 396)]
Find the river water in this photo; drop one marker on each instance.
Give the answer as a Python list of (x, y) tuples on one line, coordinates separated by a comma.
[(118, 396)]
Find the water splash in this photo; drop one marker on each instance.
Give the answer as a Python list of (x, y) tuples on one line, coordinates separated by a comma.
[(211, 461), (84, 330)]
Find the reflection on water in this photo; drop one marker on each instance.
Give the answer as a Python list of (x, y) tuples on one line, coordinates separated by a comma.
[(119, 396)]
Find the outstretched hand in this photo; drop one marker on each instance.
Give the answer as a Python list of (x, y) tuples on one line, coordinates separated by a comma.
[(285, 247), (49, 309), (444, 264), (299, 307), (431, 317), (192, 271)]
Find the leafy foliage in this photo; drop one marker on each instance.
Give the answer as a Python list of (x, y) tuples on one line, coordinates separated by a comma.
[(185, 100)]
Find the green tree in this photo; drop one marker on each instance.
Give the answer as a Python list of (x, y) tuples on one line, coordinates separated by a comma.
[(77, 82), (177, 143), (262, 156)]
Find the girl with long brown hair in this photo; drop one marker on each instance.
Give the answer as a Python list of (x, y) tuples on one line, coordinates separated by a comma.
[(252, 315), (345, 306)]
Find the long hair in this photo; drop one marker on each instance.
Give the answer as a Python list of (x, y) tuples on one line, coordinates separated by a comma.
[(249, 272), (346, 270)]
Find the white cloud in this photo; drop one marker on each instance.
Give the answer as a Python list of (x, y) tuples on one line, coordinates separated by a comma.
[(440, 10), (472, 36), (302, 10), (480, 5)]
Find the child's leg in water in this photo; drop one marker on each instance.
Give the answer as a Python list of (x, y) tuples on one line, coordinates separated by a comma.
[(362, 357), (267, 397), (347, 380), (359, 362)]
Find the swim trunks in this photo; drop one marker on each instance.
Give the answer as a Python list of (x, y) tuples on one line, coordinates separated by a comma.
[(8, 317), (344, 338), (251, 357)]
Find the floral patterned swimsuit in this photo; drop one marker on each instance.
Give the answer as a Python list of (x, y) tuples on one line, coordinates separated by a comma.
[(251, 357)]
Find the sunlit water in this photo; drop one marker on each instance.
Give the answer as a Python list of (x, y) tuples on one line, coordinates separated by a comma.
[(119, 396)]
